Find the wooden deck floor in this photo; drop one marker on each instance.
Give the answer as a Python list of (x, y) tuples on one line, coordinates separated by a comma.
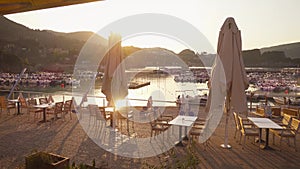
[(19, 137)]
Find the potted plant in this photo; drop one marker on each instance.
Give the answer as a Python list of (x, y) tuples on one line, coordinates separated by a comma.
[(46, 161)]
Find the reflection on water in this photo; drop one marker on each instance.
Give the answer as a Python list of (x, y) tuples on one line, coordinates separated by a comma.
[(163, 89)]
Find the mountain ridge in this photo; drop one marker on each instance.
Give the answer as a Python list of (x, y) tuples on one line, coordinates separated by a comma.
[(49, 50)]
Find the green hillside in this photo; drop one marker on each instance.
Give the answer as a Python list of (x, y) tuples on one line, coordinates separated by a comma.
[(39, 50), (46, 50)]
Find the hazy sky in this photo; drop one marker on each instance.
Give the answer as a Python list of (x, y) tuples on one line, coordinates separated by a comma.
[(262, 23)]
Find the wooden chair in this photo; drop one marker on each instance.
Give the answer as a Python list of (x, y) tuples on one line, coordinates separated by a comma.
[(67, 108), (238, 128), (50, 99), (6, 105), (290, 111), (95, 114), (199, 123), (106, 115), (290, 132), (43, 100), (237, 124), (58, 109), (260, 112), (125, 116), (31, 109), (246, 132), (157, 127), (195, 133), (23, 104), (197, 128), (162, 118), (276, 112), (285, 121)]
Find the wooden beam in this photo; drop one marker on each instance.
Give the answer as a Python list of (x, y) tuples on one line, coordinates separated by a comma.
[(17, 6)]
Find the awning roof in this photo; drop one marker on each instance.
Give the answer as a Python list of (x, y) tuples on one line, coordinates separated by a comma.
[(16, 6)]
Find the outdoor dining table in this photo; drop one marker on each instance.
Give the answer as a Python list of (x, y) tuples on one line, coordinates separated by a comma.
[(182, 121), (264, 123), (17, 101), (44, 107)]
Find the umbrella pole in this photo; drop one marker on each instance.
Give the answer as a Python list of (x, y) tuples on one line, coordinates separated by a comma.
[(227, 107)]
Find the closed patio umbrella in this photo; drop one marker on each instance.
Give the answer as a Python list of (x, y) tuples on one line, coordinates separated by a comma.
[(114, 85), (229, 59)]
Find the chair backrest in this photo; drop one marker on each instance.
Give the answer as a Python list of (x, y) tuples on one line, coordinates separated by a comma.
[(276, 111), (286, 120), (43, 100), (50, 99), (241, 124), (236, 120), (58, 107), (152, 121), (68, 105), (295, 125), (32, 102), (102, 111), (260, 111), (2, 102), (95, 110), (23, 102), (290, 111)]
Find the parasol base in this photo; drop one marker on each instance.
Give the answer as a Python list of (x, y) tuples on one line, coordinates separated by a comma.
[(226, 146)]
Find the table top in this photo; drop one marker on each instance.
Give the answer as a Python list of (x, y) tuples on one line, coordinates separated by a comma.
[(183, 120), (13, 100), (44, 105), (264, 123)]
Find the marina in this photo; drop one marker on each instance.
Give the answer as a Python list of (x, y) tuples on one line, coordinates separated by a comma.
[(278, 83), (106, 85)]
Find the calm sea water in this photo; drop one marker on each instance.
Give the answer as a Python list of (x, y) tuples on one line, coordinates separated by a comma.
[(163, 89)]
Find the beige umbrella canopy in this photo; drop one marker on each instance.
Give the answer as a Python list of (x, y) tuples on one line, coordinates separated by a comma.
[(230, 52), (229, 63), (114, 81)]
